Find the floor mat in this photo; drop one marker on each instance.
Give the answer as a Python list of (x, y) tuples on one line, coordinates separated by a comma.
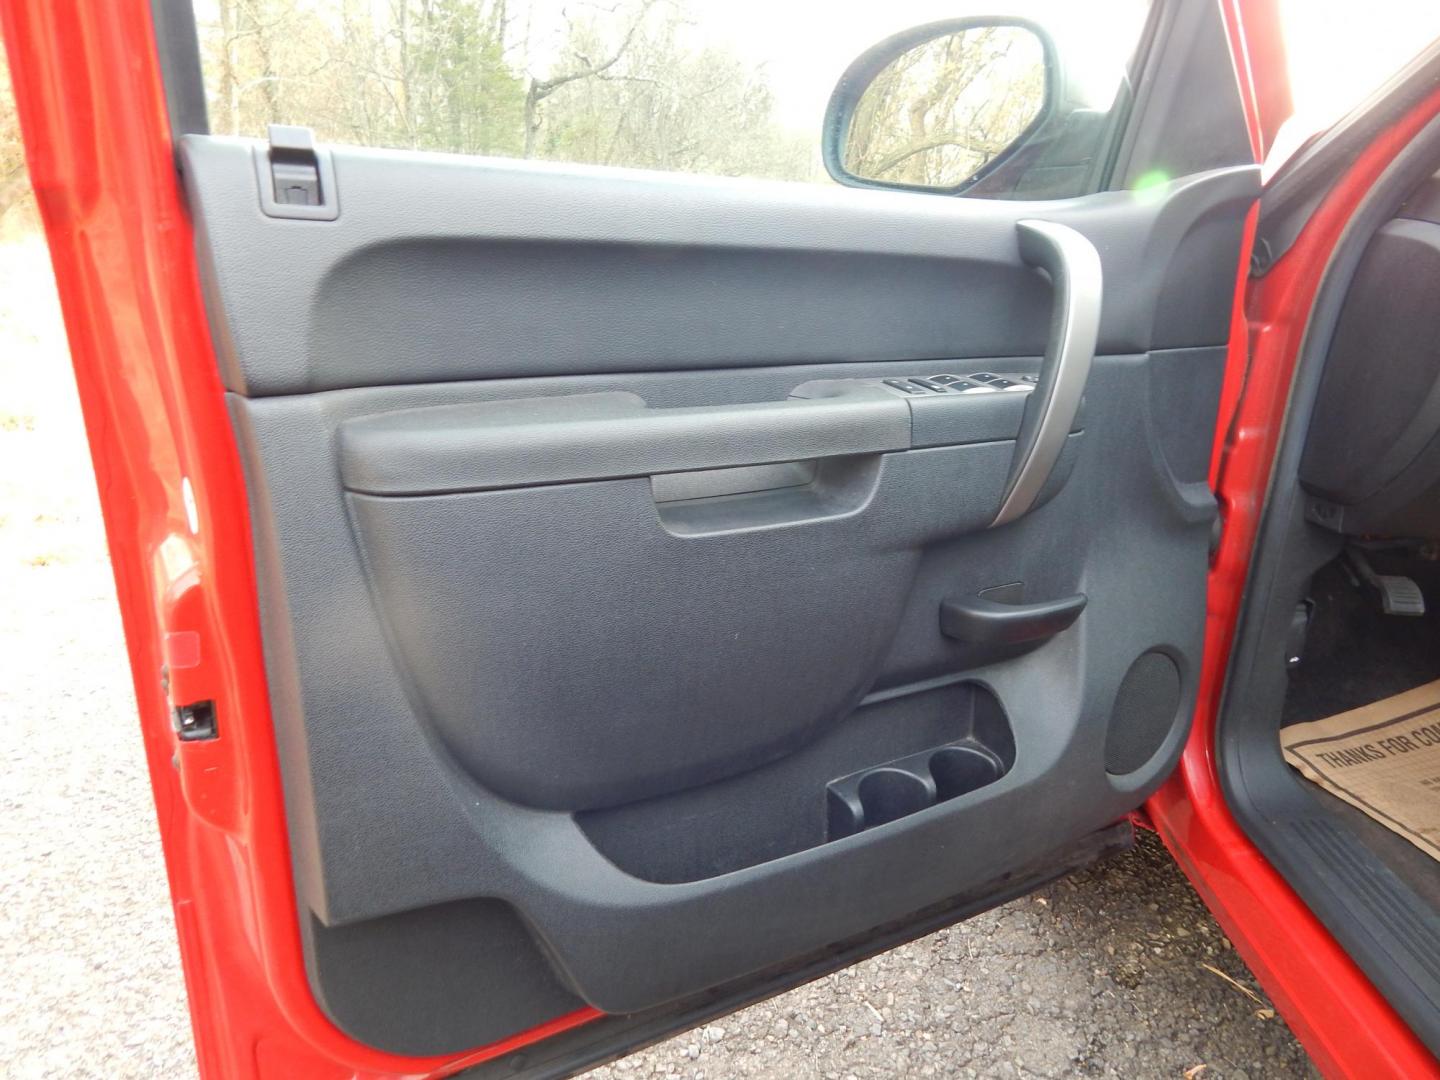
[(1382, 758)]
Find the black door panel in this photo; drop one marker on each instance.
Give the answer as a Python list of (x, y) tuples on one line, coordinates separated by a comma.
[(606, 663), (447, 268)]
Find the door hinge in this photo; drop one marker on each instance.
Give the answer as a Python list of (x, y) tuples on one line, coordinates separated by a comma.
[(296, 177)]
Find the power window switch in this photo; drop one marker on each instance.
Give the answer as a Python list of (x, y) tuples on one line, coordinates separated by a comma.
[(955, 384), (903, 386)]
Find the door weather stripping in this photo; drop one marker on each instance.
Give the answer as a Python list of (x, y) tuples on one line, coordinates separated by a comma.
[(1073, 266)]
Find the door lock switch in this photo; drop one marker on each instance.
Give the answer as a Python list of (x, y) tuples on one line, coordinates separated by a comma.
[(296, 177)]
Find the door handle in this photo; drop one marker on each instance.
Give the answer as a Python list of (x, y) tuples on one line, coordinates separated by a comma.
[(1073, 266), (977, 620)]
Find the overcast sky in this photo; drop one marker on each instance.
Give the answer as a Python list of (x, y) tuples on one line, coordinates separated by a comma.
[(805, 46)]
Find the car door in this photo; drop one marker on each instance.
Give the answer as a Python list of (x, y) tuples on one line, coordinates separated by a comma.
[(569, 604)]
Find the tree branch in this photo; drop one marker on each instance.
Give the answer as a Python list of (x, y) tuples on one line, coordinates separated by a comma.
[(543, 88)]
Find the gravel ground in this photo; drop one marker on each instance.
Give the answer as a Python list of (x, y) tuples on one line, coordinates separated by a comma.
[(1107, 973)]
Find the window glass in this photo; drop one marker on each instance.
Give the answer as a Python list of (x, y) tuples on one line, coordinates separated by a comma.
[(725, 87)]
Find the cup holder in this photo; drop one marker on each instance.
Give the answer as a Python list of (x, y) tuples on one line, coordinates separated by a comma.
[(958, 770), (889, 792)]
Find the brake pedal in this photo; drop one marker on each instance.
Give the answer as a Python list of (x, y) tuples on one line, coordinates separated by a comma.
[(1399, 595)]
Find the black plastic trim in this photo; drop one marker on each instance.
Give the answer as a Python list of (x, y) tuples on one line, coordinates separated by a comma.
[(590, 1045), (1187, 116), (982, 621), (795, 273), (178, 44)]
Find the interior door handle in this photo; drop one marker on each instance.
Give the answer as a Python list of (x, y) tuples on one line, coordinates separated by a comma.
[(1073, 266), (977, 620)]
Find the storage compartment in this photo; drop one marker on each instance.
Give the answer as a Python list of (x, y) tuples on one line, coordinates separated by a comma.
[(894, 758), (897, 789), (890, 794), (573, 651), (959, 770)]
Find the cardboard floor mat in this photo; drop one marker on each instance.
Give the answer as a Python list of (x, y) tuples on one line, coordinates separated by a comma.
[(1383, 758)]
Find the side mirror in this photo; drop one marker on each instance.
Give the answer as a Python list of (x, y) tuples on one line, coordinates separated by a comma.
[(941, 106)]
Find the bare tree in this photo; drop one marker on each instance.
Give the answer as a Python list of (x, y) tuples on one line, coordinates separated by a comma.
[(465, 76), (251, 61), (583, 67)]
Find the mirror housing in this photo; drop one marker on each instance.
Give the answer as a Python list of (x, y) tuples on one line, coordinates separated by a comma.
[(849, 98)]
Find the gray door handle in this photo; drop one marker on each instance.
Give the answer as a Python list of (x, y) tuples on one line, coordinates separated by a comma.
[(1073, 266)]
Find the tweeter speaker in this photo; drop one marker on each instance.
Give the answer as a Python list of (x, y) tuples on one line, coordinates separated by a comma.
[(1144, 711)]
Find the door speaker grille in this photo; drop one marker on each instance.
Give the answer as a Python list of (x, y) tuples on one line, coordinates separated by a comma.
[(1144, 711)]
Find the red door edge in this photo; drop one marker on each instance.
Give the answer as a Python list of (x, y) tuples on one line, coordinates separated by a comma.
[(1344, 1023), (91, 108)]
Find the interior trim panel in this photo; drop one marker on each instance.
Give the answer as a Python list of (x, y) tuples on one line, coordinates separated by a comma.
[(630, 571), (351, 717), (512, 269)]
